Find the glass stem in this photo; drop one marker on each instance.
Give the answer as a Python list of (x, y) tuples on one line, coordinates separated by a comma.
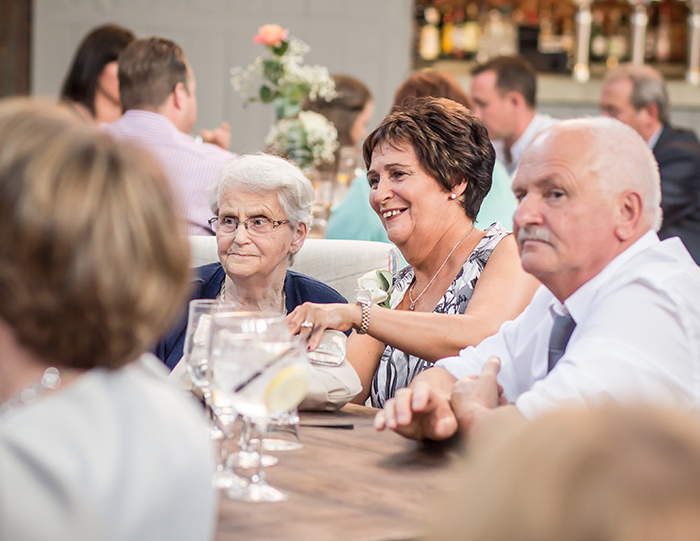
[(244, 441), (258, 476), (223, 457)]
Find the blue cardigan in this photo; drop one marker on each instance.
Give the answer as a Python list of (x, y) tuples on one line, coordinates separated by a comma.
[(298, 289)]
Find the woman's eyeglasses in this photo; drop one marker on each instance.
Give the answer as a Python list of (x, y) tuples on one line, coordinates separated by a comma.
[(260, 225)]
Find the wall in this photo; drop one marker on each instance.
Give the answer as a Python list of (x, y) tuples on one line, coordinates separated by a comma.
[(368, 39)]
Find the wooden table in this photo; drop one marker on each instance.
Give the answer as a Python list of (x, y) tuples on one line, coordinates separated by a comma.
[(345, 485)]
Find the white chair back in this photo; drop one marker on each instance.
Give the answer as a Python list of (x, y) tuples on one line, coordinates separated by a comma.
[(337, 263)]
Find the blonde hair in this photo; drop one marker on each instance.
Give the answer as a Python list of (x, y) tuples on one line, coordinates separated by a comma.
[(603, 474), (93, 265)]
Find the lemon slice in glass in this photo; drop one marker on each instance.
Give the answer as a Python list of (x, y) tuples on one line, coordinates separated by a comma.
[(287, 390)]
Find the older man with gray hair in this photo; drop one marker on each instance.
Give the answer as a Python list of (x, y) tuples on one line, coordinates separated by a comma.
[(617, 316), (637, 96)]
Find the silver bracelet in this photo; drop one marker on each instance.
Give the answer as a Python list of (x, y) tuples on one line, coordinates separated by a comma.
[(364, 325)]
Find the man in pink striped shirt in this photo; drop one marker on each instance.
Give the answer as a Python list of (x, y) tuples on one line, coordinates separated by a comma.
[(157, 89)]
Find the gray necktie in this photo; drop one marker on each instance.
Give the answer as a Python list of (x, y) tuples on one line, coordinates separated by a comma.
[(561, 332)]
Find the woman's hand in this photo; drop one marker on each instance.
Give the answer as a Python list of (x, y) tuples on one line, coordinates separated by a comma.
[(310, 320)]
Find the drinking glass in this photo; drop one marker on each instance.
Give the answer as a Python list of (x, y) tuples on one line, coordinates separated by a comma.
[(262, 376), (196, 350), (224, 476), (246, 324)]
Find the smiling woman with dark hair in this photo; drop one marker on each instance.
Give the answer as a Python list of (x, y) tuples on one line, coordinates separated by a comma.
[(430, 164)]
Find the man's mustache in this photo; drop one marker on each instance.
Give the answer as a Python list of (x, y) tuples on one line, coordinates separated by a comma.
[(532, 233)]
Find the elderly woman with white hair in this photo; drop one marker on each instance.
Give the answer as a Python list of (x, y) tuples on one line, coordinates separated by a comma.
[(262, 211)]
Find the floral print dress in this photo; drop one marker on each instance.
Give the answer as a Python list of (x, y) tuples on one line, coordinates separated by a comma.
[(396, 368)]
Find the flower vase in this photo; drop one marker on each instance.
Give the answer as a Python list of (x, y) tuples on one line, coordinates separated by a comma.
[(323, 190)]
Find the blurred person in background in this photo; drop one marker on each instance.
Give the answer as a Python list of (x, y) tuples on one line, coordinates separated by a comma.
[(637, 96), (504, 92), (351, 112), (91, 85), (94, 442), (158, 92), (605, 474)]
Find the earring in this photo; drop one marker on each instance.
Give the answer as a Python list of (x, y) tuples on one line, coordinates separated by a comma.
[(453, 196)]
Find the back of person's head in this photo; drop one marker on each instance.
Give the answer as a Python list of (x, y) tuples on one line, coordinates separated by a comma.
[(513, 74), (93, 264), (149, 71), (450, 142), (648, 86), (437, 84), (602, 474), (343, 110), (100, 47)]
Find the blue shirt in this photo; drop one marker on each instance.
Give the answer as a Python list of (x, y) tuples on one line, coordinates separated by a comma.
[(298, 289)]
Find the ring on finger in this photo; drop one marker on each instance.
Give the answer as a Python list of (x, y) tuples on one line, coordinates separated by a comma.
[(307, 324)]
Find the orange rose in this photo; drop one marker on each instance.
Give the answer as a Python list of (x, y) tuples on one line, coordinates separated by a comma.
[(271, 34)]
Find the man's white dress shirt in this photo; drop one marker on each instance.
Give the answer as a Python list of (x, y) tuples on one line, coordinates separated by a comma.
[(538, 123), (190, 166), (651, 143), (637, 336)]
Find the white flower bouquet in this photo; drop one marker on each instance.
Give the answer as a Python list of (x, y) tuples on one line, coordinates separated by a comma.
[(284, 81), (308, 139)]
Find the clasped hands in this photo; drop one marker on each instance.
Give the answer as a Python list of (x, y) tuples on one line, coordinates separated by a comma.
[(436, 405)]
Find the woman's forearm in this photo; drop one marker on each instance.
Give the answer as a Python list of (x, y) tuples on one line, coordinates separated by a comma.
[(428, 336), (501, 293)]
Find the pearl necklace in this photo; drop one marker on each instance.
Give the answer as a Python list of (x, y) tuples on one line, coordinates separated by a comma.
[(50, 380), (412, 306)]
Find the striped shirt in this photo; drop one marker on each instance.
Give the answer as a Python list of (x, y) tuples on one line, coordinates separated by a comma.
[(190, 166)]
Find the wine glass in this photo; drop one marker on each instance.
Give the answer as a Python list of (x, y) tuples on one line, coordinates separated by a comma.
[(224, 476), (196, 357), (196, 350), (262, 376), (245, 324)]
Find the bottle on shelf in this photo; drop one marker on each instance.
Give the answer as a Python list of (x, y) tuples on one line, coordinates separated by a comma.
[(459, 35), (429, 45), (472, 31), (618, 42), (663, 34), (448, 30)]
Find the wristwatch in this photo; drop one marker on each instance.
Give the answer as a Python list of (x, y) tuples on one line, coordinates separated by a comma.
[(364, 325)]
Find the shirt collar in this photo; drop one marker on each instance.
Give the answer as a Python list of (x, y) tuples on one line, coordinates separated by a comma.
[(155, 120), (579, 302), (651, 143), (533, 128)]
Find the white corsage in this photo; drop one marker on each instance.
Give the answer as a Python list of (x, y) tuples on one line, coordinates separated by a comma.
[(375, 287)]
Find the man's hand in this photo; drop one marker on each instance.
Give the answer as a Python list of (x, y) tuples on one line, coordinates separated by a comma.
[(472, 395), (221, 136), (421, 410)]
